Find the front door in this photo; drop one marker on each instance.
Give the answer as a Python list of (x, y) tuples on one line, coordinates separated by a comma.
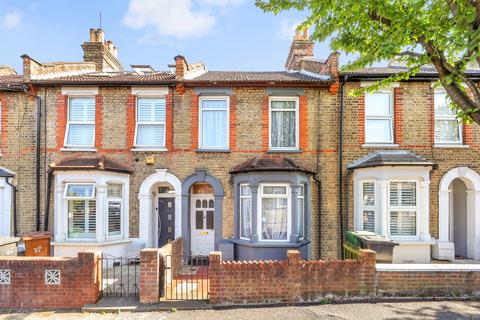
[(166, 221), (202, 220)]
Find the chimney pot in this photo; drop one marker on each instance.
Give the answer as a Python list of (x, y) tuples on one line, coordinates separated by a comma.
[(115, 52), (100, 35), (301, 34), (93, 36), (110, 46)]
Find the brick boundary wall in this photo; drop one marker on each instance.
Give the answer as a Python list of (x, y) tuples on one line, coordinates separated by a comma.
[(80, 281), (296, 281), (152, 271), (293, 280)]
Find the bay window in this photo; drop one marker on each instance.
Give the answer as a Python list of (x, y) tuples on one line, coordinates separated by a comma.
[(403, 208), (114, 209), (82, 213), (368, 206), (448, 129), (274, 216), (214, 123), (80, 130), (283, 123), (378, 117), (150, 124), (245, 212), (301, 211)]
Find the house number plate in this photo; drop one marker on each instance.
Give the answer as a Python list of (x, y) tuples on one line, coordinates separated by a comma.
[(205, 233)]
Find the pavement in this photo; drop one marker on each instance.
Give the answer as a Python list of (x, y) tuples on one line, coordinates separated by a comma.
[(355, 311)]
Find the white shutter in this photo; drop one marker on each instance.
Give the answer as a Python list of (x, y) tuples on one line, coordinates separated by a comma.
[(114, 218), (368, 202), (81, 122), (403, 223), (151, 118), (403, 211)]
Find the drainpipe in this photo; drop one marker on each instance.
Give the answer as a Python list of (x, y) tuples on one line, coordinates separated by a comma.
[(37, 165), (340, 164), (47, 200), (14, 196)]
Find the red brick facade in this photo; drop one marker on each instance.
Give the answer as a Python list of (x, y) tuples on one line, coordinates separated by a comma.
[(303, 123), (194, 125), (80, 281), (361, 119), (98, 122), (131, 120), (233, 123), (265, 124), (398, 115), (62, 114), (169, 122), (4, 122)]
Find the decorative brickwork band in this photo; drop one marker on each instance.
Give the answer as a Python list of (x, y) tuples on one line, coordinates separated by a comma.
[(169, 122), (468, 134), (62, 113), (398, 115), (361, 119), (4, 124), (431, 109), (265, 125), (131, 120), (233, 124), (98, 122), (194, 125), (303, 122)]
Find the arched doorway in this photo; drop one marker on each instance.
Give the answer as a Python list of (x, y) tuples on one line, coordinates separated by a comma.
[(200, 192), (160, 209), (459, 215)]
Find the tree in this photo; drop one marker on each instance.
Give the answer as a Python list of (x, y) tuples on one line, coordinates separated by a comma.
[(442, 33)]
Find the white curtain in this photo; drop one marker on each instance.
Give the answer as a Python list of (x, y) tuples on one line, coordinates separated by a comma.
[(274, 218), (214, 124), (283, 124)]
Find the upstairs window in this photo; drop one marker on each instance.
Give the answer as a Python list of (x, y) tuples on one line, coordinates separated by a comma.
[(378, 117), (81, 123), (150, 124), (403, 208), (82, 214), (448, 129), (214, 123), (283, 123)]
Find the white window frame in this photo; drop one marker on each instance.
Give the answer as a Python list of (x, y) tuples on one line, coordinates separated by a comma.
[(297, 121), (67, 185), (67, 131), (404, 208), (302, 197), (154, 147), (115, 199), (391, 118), (260, 209), (201, 146), (364, 208), (446, 117), (240, 211)]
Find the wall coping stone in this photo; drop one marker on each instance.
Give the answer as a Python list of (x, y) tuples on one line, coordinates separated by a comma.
[(424, 267)]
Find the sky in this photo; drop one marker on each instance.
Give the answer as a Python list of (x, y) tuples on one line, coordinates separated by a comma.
[(224, 34)]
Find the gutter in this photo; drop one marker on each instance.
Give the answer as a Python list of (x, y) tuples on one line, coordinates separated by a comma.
[(340, 163)]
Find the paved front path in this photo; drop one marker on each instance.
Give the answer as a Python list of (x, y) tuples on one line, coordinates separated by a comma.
[(403, 311)]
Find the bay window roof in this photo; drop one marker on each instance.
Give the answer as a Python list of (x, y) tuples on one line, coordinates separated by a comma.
[(102, 163), (270, 163), (389, 158)]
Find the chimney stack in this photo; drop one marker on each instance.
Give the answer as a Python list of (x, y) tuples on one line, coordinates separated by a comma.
[(103, 53), (301, 48)]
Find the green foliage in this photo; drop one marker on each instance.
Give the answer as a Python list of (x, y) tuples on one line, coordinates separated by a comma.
[(417, 32)]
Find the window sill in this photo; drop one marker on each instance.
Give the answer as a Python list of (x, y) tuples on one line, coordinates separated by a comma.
[(90, 243), (380, 145), (285, 151), (213, 150), (67, 149), (149, 150), (451, 146), (270, 244)]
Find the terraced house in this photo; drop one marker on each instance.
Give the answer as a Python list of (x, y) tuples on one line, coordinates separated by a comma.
[(247, 163)]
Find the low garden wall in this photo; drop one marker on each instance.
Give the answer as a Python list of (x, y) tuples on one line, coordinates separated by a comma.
[(50, 282), (152, 274), (295, 280)]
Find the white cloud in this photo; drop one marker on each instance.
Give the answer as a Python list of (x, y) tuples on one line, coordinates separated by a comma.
[(176, 18), (288, 28), (12, 20)]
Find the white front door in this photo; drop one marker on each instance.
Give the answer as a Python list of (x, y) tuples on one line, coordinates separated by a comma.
[(202, 219)]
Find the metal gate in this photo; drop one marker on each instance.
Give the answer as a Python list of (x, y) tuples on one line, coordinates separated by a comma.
[(185, 277), (121, 276)]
